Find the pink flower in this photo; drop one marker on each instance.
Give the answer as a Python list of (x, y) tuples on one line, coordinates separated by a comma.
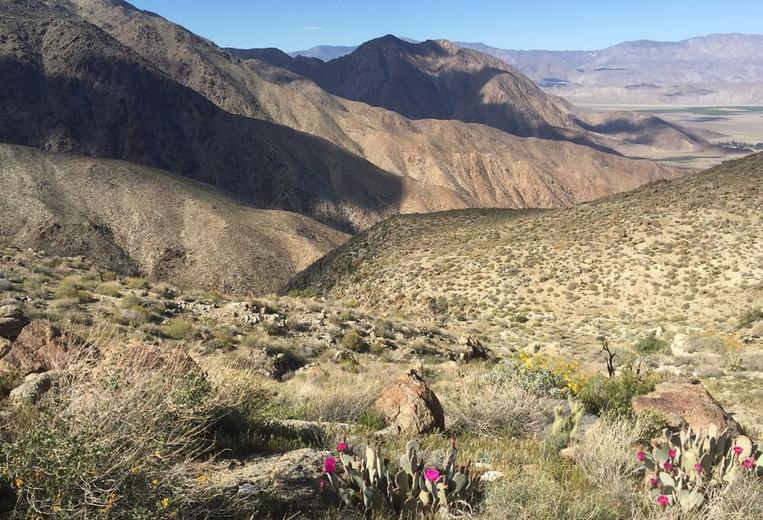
[(323, 485), (667, 465), (640, 456), (748, 463), (663, 500), (698, 467), (329, 465), (341, 447), (672, 453), (738, 449), (431, 474), (653, 482)]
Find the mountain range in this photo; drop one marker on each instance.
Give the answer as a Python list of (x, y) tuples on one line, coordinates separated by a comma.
[(717, 69), (104, 80)]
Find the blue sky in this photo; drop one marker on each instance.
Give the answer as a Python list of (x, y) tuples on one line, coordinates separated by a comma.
[(539, 24)]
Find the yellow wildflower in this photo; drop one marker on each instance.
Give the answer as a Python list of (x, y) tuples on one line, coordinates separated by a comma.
[(156, 482), (135, 470), (19, 482), (202, 478), (165, 502)]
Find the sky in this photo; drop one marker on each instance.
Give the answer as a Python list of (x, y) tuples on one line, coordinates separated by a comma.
[(511, 24)]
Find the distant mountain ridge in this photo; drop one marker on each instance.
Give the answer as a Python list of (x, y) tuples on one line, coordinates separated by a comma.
[(712, 69)]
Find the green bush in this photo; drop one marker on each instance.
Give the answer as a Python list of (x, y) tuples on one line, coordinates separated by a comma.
[(108, 289), (177, 328), (353, 341), (137, 283), (650, 344), (611, 396), (307, 292), (748, 317)]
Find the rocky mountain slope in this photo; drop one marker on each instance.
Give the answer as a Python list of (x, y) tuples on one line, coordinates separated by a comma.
[(130, 219), (440, 80), (678, 252)]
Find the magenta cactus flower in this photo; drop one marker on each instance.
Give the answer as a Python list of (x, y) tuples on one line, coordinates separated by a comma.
[(672, 453), (329, 465), (653, 482), (341, 447), (431, 474), (640, 456), (748, 463), (738, 450), (667, 465), (698, 467), (663, 500)]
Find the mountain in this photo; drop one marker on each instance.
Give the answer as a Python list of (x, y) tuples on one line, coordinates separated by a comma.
[(325, 52), (716, 69), (243, 125), (437, 79), (70, 87), (682, 251), (131, 218)]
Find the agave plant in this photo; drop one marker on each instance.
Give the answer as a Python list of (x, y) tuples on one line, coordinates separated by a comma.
[(684, 467), (407, 487)]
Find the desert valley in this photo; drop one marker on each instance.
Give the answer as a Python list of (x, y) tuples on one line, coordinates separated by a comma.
[(406, 279)]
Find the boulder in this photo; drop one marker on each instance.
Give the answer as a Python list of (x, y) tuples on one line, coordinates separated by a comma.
[(35, 386), (12, 320), (39, 348), (470, 349), (686, 405), (411, 406)]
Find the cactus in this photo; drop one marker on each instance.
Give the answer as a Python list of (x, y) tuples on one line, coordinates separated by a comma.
[(370, 484), (685, 466)]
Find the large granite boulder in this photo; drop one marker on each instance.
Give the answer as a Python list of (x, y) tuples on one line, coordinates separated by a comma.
[(411, 406), (686, 405)]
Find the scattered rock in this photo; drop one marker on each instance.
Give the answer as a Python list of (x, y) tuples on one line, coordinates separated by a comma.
[(279, 485), (12, 320), (686, 404), (680, 345), (35, 386), (754, 333), (344, 355), (491, 476), (275, 364), (471, 349), (39, 348), (411, 405)]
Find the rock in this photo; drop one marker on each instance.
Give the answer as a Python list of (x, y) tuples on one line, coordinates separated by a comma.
[(39, 348), (343, 355), (491, 476), (12, 321), (411, 405), (754, 333), (35, 386), (275, 364), (686, 404), (471, 349), (280, 485)]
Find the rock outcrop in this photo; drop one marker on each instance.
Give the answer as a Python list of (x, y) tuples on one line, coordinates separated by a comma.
[(39, 348), (12, 320), (686, 405)]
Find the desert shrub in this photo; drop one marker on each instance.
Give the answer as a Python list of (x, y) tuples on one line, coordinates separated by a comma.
[(134, 282), (371, 419), (748, 317), (541, 376), (177, 328), (650, 344), (70, 288), (611, 396), (114, 439), (351, 340), (108, 289), (547, 491), (307, 292), (493, 407)]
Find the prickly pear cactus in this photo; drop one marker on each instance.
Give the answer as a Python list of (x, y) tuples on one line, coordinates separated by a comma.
[(371, 483), (684, 467)]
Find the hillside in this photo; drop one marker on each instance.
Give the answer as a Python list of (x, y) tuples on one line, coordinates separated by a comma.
[(130, 219), (438, 79), (679, 253)]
